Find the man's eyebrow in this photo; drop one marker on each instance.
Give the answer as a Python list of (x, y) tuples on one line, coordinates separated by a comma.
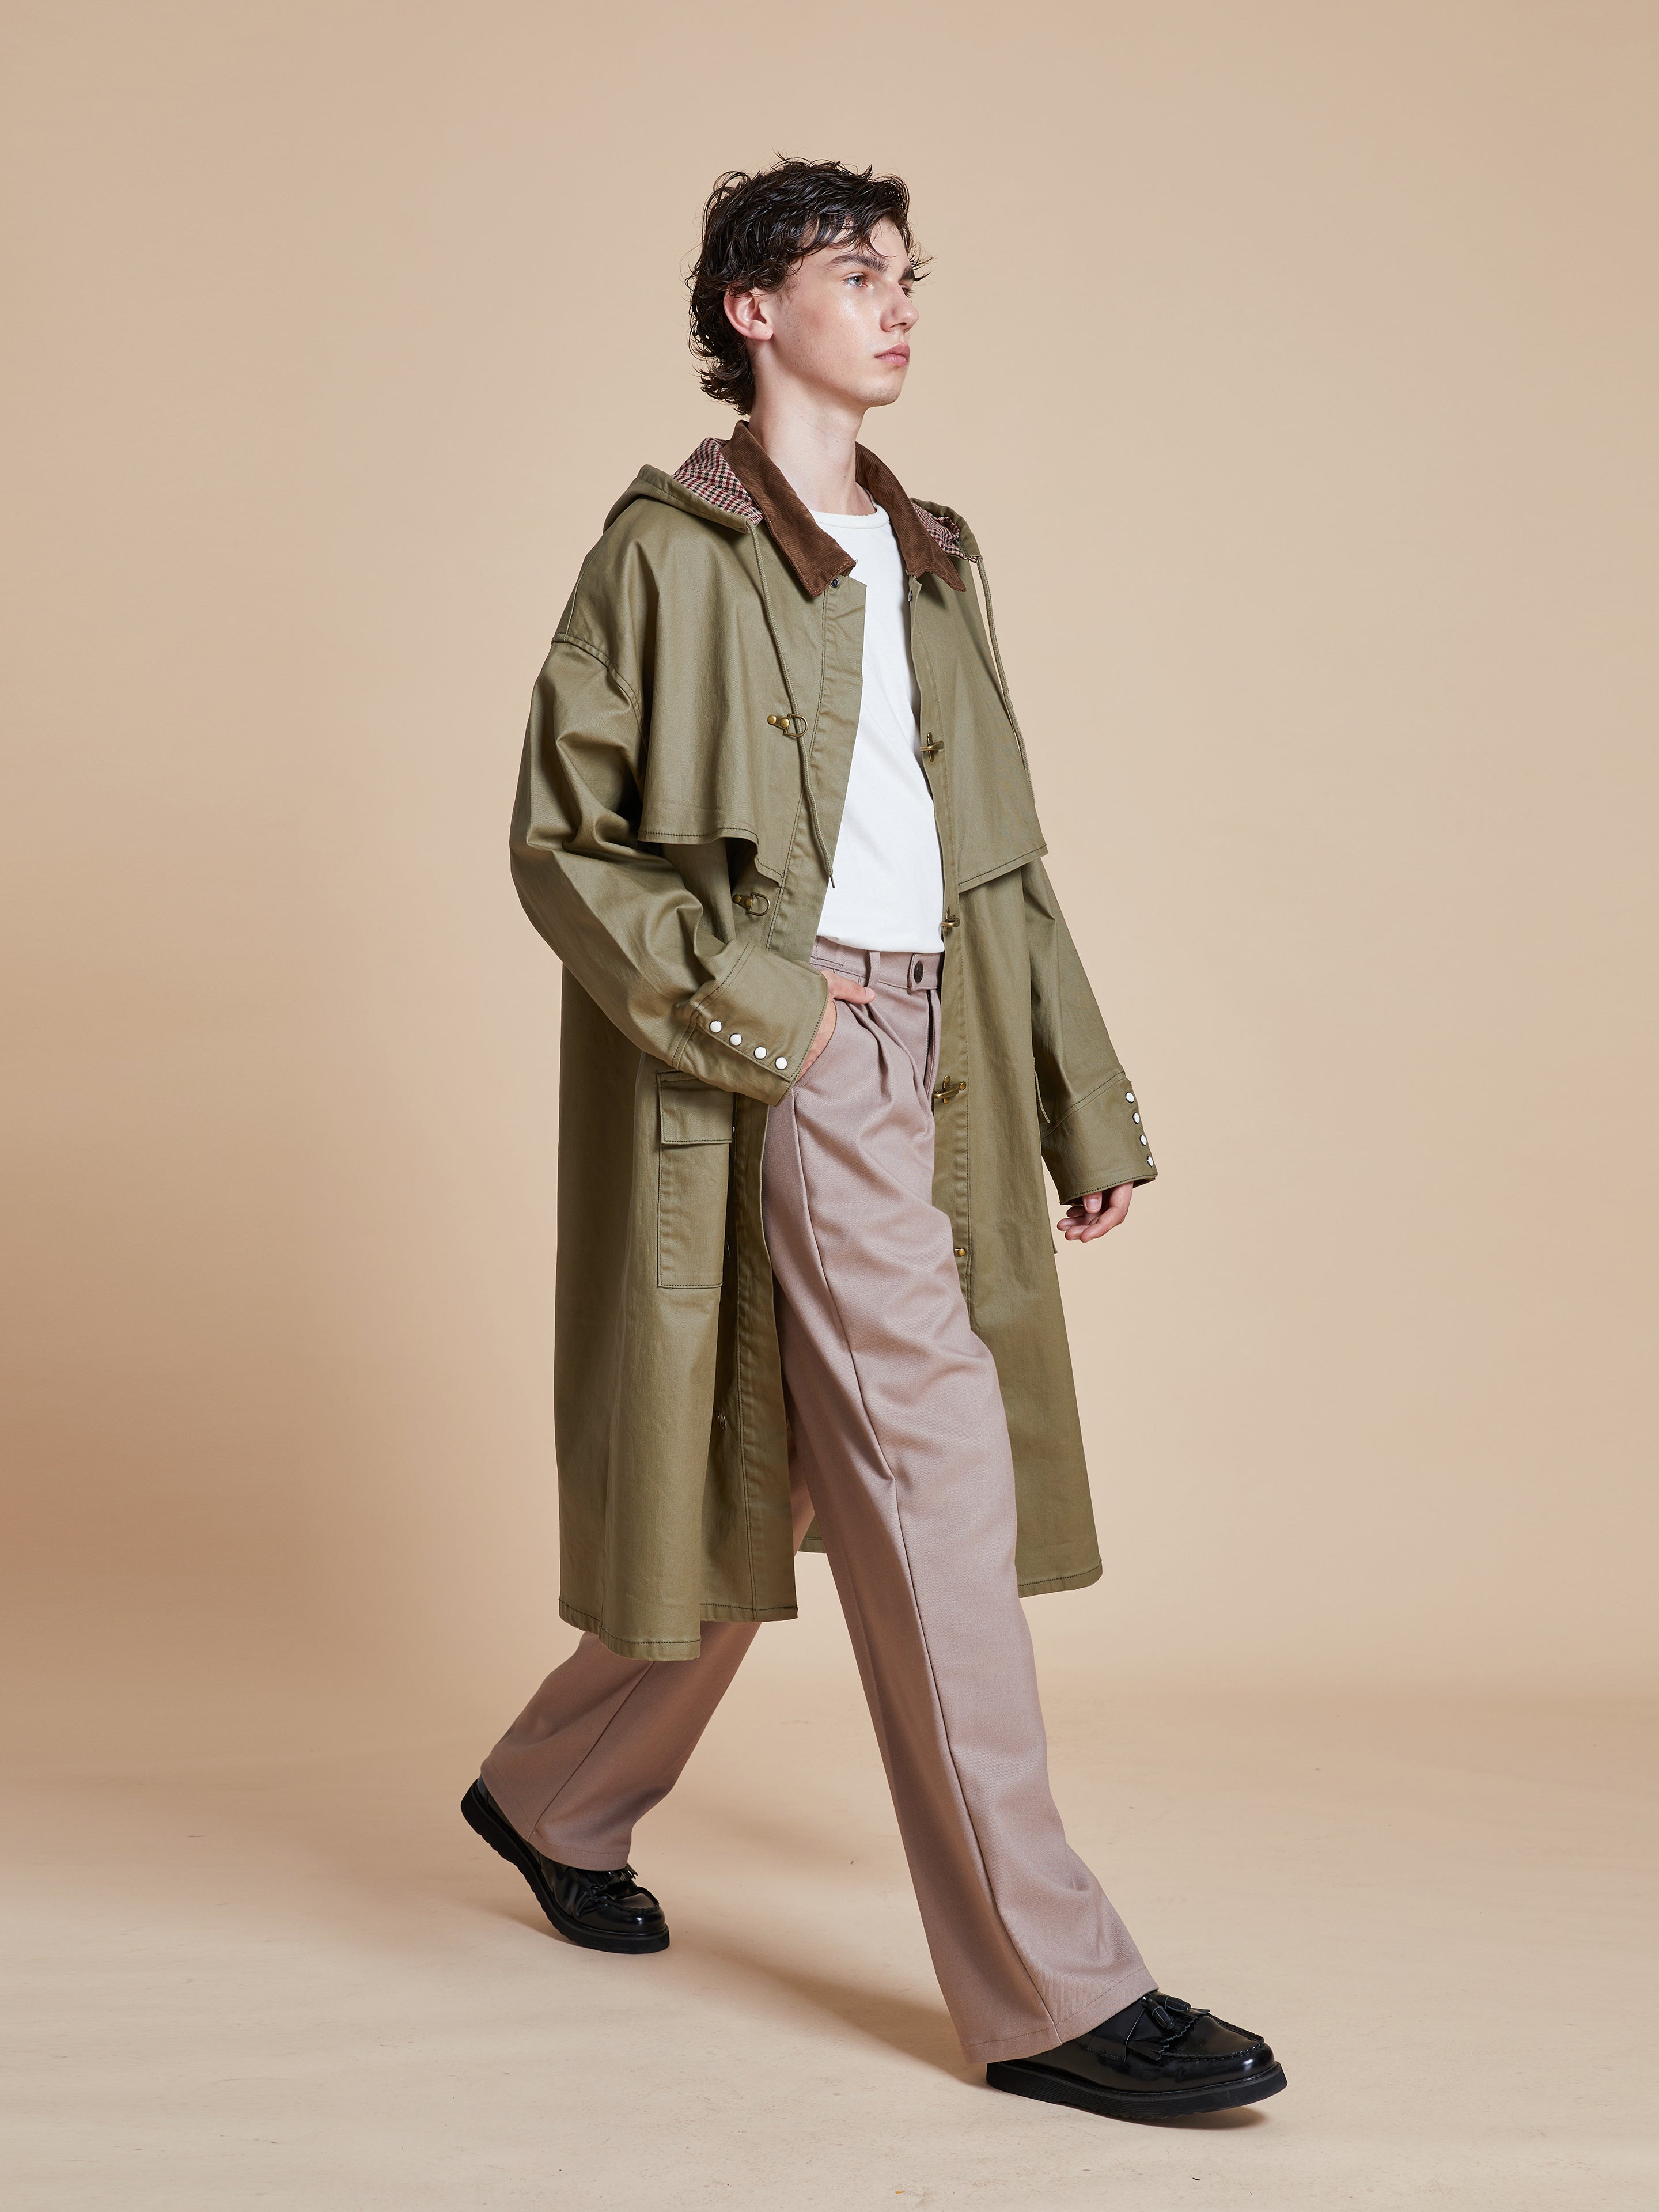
[(869, 258)]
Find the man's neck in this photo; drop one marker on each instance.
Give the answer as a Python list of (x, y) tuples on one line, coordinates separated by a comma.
[(814, 445)]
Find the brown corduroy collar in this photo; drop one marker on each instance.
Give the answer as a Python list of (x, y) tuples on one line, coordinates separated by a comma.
[(814, 555)]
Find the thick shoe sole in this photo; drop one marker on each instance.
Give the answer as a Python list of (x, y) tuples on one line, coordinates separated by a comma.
[(1022, 2079), (484, 1820)]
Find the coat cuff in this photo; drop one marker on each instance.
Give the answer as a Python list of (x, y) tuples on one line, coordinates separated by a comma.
[(751, 1032), (1100, 1142)]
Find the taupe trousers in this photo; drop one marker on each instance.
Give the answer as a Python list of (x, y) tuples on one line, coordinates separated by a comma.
[(901, 1449)]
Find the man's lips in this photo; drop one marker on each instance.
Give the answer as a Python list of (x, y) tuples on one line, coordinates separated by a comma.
[(899, 352)]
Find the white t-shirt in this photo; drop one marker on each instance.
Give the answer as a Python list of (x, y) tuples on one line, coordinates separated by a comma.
[(889, 890)]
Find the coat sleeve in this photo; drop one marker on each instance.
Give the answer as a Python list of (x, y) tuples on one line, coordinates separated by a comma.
[(620, 916), (1092, 1136)]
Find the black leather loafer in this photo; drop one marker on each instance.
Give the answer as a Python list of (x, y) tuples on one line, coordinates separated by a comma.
[(603, 1911), (1157, 2059)]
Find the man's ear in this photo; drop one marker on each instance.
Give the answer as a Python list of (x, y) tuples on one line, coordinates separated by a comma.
[(749, 314)]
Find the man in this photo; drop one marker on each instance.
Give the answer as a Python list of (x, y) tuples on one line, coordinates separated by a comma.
[(823, 1024)]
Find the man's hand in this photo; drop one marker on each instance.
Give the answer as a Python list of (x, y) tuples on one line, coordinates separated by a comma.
[(1086, 1218), (840, 987)]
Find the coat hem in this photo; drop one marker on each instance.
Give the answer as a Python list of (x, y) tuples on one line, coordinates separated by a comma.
[(630, 1647), (668, 1647), (1081, 1580), (1038, 1587)]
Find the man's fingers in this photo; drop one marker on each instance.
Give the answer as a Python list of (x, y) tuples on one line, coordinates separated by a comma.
[(1093, 1215), (840, 987), (1080, 1215)]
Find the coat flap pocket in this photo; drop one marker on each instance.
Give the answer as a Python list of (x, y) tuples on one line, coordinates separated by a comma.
[(690, 1113)]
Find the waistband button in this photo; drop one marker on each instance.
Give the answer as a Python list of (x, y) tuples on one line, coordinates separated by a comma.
[(916, 973)]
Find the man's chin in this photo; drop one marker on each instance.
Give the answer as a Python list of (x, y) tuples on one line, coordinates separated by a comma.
[(884, 389), (876, 387)]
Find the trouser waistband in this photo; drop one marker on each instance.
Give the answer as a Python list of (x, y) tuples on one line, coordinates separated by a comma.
[(897, 971)]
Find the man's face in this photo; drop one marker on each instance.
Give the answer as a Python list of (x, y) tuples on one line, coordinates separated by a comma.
[(839, 324)]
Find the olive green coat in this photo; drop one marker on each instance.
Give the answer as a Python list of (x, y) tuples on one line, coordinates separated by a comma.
[(684, 775)]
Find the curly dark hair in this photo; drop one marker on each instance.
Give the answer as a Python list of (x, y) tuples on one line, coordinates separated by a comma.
[(757, 226)]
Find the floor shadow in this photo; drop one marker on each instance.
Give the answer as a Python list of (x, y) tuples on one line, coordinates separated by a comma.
[(1251, 2116), (310, 1813), (920, 2031)]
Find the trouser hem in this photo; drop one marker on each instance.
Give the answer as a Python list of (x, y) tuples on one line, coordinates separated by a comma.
[(1136, 1983), (576, 1852)]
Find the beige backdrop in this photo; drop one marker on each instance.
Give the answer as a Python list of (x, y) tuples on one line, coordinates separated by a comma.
[(1295, 364)]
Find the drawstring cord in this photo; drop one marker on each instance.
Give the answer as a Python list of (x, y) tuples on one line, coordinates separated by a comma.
[(977, 561), (794, 724)]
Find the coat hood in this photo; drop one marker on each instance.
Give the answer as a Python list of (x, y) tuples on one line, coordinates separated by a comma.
[(734, 483)]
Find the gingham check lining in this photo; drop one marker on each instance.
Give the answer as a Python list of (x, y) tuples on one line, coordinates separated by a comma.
[(711, 475)]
